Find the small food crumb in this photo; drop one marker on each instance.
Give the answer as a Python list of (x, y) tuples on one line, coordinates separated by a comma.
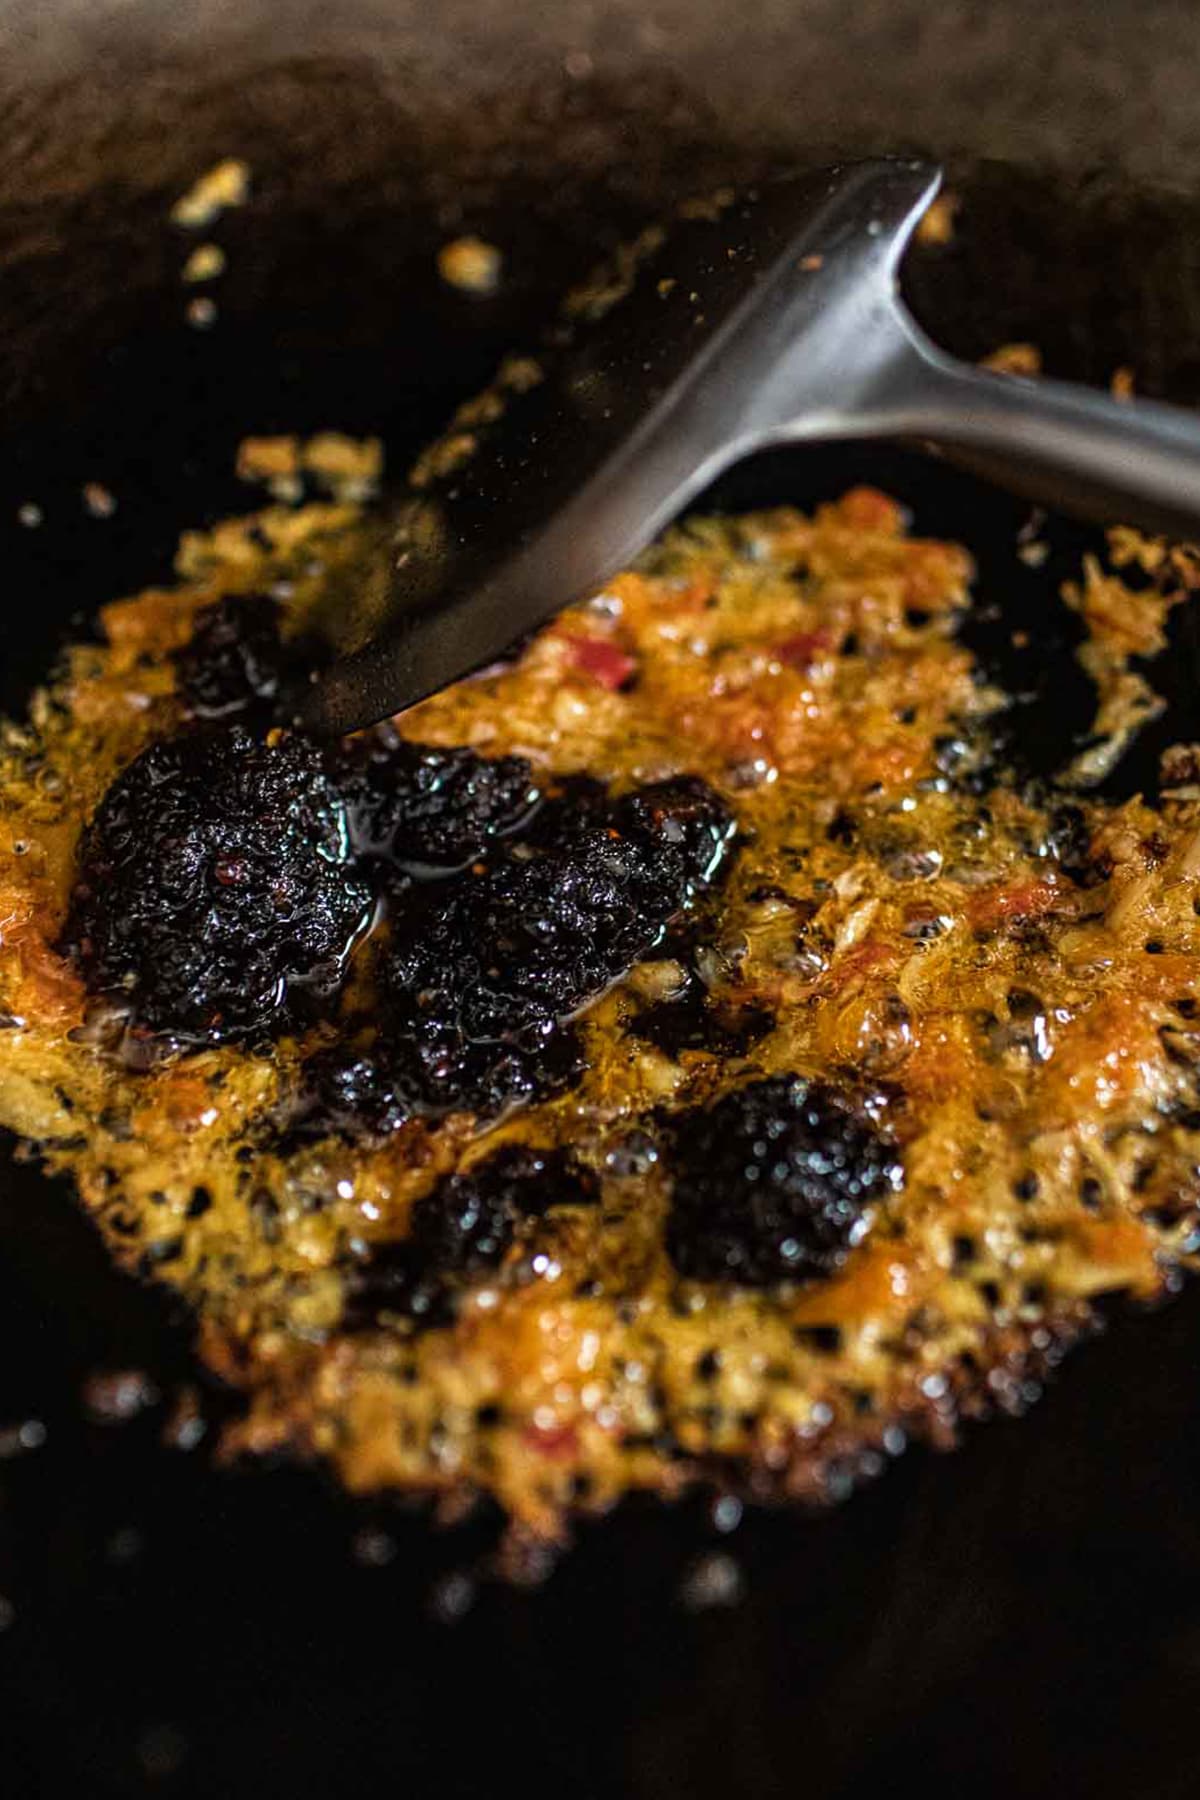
[(713, 1580), (1014, 359), (161, 1749), (1128, 547), (18, 1440), (471, 264), (187, 1427), (118, 1395), (223, 186), (519, 374), (274, 463), (443, 458), (452, 1598), (30, 515), (347, 468), (726, 1513), (708, 206), (374, 1549), (206, 262), (265, 459), (125, 1545), (1179, 771), (202, 312), (98, 500), (1122, 383), (937, 225)]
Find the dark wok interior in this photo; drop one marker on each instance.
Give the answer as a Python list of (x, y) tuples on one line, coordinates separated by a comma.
[(1022, 1618)]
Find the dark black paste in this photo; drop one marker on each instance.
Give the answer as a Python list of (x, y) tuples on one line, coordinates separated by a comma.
[(235, 665), (430, 811), (223, 877), (217, 881), (459, 1231), (771, 1183), (482, 973)]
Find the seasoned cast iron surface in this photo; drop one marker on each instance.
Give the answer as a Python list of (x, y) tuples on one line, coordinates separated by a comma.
[(1019, 1619)]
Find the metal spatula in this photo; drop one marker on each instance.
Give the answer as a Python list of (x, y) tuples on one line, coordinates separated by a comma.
[(766, 319)]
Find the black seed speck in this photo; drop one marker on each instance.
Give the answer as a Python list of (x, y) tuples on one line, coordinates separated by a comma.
[(200, 1203), (965, 1250), (825, 1338), (1068, 840)]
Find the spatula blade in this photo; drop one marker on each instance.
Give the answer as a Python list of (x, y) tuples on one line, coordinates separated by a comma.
[(647, 385)]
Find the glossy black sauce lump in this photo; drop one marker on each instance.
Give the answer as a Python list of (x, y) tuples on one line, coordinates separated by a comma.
[(235, 665), (216, 880), (429, 811), (771, 1183), (233, 867), (482, 972), (225, 873), (369, 1091), (459, 1231)]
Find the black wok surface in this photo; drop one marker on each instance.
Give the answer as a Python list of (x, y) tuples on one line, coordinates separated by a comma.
[(1022, 1618)]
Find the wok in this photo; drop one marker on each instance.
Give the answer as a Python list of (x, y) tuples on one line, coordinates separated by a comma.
[(1022, 1618)]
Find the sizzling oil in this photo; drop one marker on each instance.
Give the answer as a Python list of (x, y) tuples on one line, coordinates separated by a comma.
[(849, 1140)]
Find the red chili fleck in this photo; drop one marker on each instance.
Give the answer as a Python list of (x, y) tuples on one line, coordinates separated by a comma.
[(869, 510), (605, 662), (1024, 900), (557, 1442), (801, 651), (230, 870), (858, 962)]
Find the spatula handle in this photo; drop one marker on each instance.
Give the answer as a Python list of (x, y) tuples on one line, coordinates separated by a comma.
[(1130, 461)]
